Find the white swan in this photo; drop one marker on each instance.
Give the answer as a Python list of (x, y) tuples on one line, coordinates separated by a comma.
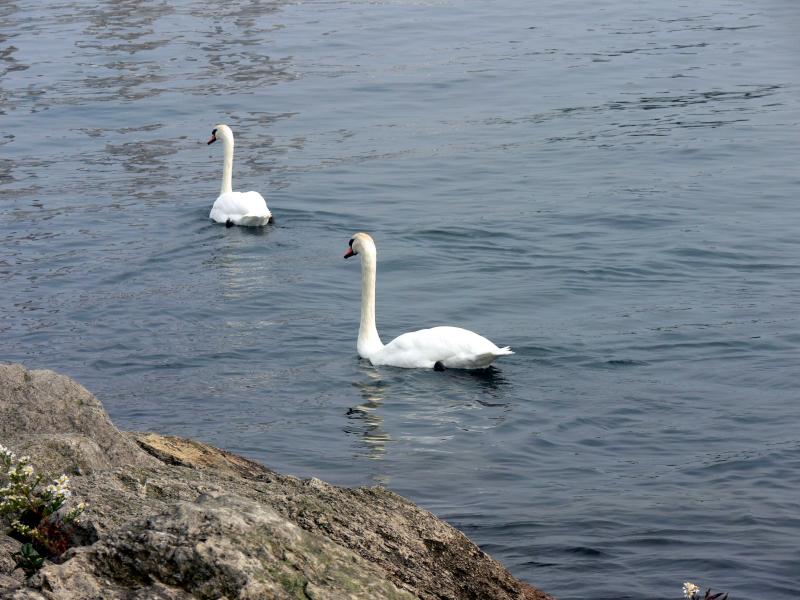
[(434, 348), (236, 208)]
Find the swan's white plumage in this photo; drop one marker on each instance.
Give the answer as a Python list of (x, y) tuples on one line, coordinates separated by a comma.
[(239, 208), (453, 347)]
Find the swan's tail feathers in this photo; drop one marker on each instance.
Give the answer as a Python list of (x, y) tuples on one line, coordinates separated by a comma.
[(255, 220), (481, 361)]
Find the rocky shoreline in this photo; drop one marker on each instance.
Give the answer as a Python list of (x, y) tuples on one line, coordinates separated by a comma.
[(174, 519)]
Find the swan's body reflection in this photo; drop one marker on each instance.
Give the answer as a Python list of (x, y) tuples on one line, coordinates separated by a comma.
[(366, 419), (432, 404), (489, 382)]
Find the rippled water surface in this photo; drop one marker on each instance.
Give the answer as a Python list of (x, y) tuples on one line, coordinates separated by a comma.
[(609, 187)]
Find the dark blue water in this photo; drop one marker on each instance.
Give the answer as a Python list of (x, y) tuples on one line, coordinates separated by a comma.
[(611, 188)]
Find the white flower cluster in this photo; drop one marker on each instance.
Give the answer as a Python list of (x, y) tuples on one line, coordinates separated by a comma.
[(8, 500), (6, 455), (59, 488), (690, 589), (22, 495), (76, 511), (21, 470), (9, 495)]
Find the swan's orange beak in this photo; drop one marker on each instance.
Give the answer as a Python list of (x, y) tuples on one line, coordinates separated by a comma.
[(349, 253), (212, 140)]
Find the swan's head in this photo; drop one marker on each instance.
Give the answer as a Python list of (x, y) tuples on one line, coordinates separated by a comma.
[(221, 132), (360, 242)]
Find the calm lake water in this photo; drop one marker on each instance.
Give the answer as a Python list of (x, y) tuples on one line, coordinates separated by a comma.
[(609, 187)]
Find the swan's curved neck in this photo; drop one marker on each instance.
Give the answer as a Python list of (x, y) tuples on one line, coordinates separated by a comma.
[(369, 342), (227, 167)]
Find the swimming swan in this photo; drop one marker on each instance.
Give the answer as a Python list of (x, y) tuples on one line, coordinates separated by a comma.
[(435, 348), (236, 208)]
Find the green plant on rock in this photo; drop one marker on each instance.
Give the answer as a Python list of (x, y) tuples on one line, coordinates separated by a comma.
[(28, 559), (37, 515)]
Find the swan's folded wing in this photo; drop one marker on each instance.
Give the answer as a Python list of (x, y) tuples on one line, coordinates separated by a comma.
[(232, 206), (453, 346)]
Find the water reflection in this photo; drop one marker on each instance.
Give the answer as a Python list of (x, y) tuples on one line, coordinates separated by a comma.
[(246, 63), (125, 20), (364, 418), (489, 379), (428, 398), (660, 114), (7, 57), (238, 271), (487, 387)]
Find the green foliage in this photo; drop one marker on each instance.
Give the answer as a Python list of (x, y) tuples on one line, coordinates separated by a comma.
[(28, 559)]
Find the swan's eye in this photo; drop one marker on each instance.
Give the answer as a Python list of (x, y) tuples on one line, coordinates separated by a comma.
[(213, 132), (350, 243)]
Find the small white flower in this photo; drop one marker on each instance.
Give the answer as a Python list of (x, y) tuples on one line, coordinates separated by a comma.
[(7, 454), (27, 470), (690, 589)]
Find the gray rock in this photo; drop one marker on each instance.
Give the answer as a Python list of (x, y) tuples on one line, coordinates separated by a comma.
[(62, 426), (219, 546), (9, 574), (187, 520)]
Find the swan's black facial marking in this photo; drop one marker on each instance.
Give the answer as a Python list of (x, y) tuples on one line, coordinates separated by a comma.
[(350, 252), (213, 136), (438, 366)]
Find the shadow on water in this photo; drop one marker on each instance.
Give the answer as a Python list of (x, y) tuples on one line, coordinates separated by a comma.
[(389, 381), (245, 231), (489, 381), (491, 377)]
